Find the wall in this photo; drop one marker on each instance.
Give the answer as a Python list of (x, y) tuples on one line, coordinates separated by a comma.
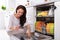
[(2, 21), (20, 2), (11, 5), (2, 14)]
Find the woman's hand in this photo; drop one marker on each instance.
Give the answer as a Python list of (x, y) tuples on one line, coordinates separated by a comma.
[(14, 28), (28, 33), (11, 28)]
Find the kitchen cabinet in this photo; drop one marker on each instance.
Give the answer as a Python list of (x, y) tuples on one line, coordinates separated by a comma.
[(39, 2), (31, 17)]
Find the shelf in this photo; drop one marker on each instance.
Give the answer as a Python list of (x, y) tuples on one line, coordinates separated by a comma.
[(45, 19), (45, 16), (45, 34)]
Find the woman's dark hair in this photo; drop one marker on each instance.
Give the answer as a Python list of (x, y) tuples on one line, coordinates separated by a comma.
[(23, 17)]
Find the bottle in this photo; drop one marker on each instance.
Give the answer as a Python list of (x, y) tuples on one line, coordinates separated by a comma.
[(51, 11)]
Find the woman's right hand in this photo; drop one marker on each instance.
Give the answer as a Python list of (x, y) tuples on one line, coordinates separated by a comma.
[(17, 28), (28, 33), (14, 28)]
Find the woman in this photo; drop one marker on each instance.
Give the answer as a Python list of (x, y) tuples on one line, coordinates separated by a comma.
[(18, 23)]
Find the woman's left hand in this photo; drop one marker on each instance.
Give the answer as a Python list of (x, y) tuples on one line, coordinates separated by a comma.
[(28, 33)]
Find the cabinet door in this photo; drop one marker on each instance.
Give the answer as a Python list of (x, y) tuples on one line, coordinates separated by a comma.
[(57, 21), (31, 13)]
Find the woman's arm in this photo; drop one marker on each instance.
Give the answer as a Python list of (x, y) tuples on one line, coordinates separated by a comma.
[(10, 26), (28, 32)]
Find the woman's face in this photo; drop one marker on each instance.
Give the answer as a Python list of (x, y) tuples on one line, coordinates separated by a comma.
[(20, 12)]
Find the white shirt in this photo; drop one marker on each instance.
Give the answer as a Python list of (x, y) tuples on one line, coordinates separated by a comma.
[(13, 22)]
